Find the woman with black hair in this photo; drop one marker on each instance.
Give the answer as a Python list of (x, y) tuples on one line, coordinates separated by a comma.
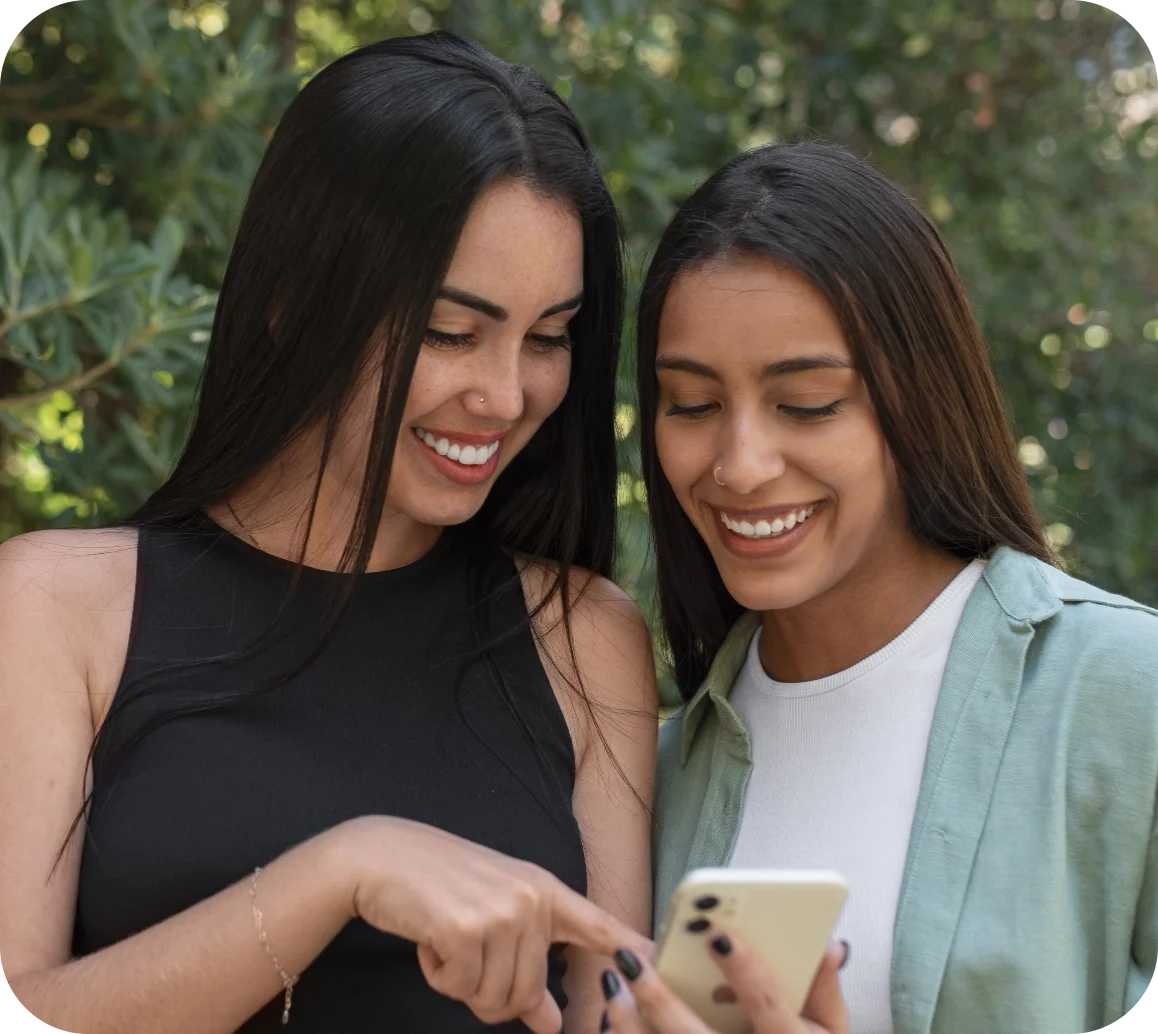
[(351, 669), (886, 673)]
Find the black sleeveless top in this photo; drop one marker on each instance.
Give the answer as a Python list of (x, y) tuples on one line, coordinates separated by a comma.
[(423, 703)]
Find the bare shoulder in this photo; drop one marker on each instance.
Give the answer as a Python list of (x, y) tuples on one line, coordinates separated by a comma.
[(605, 621), (70, 568), (66, 602), (597, 653)]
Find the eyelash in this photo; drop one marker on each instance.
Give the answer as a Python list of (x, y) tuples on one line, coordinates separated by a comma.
[(798, 412), (803, 413), (445, 340)]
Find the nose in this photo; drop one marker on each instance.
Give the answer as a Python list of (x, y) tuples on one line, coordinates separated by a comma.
[(496, 391), (750, 456)]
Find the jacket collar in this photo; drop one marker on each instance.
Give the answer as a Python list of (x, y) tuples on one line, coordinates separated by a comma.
[(1025, 589), (717, 687)]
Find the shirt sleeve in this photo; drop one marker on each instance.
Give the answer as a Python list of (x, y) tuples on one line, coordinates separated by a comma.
[(1144, 948)]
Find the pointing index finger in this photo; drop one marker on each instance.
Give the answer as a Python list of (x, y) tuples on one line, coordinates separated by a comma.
[(575, 920)]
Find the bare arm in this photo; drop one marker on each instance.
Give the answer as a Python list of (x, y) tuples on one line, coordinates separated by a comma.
[(202, 970), (64, 611), (65, 602), (610, 704)]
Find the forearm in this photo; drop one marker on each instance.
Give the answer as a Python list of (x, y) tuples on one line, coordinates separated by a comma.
[(203, 970)]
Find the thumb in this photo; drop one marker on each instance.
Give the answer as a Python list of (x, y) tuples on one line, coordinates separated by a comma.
[(825, 1005), (545, 1017)]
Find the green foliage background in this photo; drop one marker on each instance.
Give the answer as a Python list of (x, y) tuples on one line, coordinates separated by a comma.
[(1029, 131)]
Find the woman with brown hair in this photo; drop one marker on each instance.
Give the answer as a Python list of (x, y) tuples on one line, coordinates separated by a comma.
[(885, 671)]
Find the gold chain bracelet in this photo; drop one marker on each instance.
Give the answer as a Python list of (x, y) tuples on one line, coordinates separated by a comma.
[(287, 981)]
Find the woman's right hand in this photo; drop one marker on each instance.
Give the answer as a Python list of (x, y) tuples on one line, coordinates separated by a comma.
[(483, 921)]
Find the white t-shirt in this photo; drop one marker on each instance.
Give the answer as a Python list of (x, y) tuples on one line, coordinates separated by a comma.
[(837, 765)]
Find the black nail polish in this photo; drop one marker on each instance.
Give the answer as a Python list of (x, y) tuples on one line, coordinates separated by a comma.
[(847, 953), (722, 945), (610, 984), (604, 1024), (698, 925), (628, 964)]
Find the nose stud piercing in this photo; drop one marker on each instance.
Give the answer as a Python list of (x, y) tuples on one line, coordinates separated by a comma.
[(481, 399), (716, 475)]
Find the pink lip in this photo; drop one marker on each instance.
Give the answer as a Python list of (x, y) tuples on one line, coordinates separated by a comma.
[(761, 549), (455, 471)]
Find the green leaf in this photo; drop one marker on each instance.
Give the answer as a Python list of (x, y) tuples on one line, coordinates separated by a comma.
[(168, 240), (81, 265)]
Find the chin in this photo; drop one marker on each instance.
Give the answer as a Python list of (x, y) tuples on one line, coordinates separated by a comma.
[(457, 511), (761, 591)]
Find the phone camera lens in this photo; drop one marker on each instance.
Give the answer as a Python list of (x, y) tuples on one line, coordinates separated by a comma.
[(705, 904), (698, 926)]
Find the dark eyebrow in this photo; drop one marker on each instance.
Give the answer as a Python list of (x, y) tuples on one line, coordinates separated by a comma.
[(497, 312), (682, 364), (564, 306), (800, 364), (804, 363)]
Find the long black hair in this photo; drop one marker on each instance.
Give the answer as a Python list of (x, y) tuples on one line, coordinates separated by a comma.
[(880, 263), (346, 235)]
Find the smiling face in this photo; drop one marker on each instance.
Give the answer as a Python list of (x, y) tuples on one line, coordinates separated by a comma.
[(757, 390), (495, 364)]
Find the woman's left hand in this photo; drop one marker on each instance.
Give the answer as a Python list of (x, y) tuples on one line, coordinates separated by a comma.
[(644, 1004)]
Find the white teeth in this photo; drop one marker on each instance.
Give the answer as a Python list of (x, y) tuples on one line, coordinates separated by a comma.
[(767, 529), (467, 455)]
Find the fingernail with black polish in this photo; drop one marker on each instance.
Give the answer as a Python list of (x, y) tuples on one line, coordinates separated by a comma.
[(847, 953), (610, 984), (721, 945), (628, 964), (604, 1024)]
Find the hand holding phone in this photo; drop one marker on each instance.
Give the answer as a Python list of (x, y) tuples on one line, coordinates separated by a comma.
[(785, 917)]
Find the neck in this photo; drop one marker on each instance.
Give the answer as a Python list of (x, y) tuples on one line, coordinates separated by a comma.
[(866, 610), (272, 512)]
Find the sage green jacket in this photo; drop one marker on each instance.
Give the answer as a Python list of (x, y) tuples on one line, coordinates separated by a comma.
[(1029, 903)]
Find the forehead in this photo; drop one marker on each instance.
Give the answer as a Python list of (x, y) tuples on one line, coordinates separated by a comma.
[(519, 249), (747, 309)]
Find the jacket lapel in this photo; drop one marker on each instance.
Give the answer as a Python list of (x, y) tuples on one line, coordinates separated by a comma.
[(731, 750), (975, 708)]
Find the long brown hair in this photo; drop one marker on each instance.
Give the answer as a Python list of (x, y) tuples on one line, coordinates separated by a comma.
[(884, 269)]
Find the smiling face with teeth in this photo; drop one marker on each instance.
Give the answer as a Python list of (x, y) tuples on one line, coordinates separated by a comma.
[(758, 390), (496, 362)]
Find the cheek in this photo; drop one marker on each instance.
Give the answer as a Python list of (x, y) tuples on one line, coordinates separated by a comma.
[(545, 385), (861, 471), (684, 456), (431, 385)]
